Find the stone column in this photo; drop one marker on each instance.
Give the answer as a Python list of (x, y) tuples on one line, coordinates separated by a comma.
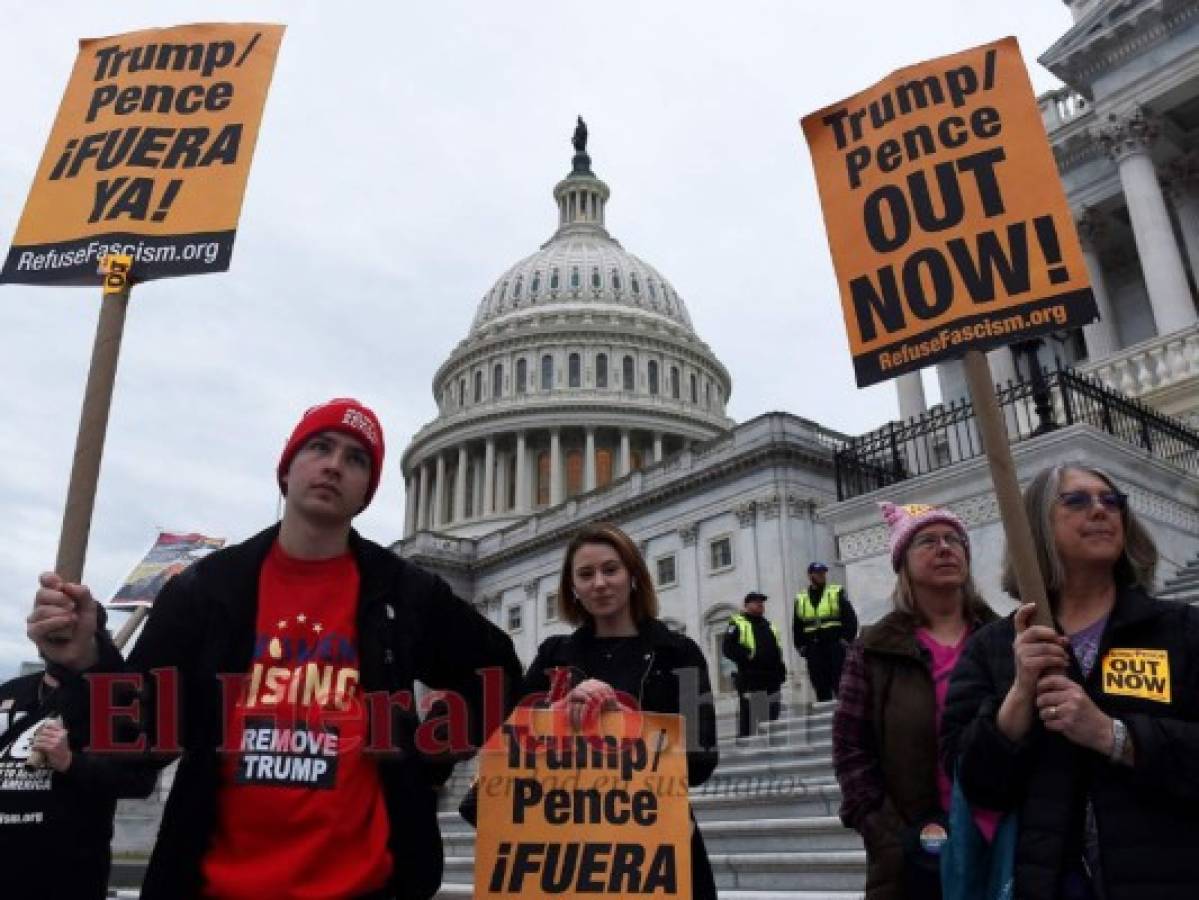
[(1183, 187), (460, 484), (589, 461), (555, 466), (422, 508), (409, 506), (489, 504), (1100, 336), (912, 405), (657, 446), (1127, 140), (910, 389), (626, 456), (438, 493), (522, 474)]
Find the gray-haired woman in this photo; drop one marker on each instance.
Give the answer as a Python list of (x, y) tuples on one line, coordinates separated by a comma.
[(1090, 730)]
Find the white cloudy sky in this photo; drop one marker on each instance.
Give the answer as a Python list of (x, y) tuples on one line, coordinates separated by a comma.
[(406, 159)]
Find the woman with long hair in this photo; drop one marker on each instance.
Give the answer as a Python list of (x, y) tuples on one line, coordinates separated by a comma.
[(1089, 730), (621, 650), (892, 693)]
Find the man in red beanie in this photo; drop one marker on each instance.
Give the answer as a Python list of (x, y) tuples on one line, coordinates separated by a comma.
[(280, 649)]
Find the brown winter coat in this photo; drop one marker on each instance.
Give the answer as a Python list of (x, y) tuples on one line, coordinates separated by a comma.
[(885, 745)]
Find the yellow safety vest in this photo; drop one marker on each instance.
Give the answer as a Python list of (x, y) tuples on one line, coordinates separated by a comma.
[(825, 614), (746, 627)]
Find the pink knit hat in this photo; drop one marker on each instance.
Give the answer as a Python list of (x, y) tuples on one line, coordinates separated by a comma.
[(904, 521)]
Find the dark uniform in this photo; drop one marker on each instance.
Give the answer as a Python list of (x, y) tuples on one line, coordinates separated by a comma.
[(753, 644), (823, 625)]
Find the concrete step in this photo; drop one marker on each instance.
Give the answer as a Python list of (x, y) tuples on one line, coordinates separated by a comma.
[(841, 870)]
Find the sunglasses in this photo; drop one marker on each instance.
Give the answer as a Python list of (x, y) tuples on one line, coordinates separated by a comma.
[(1083, 501)]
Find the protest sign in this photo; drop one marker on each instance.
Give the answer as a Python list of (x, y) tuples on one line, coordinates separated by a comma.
[(947, 222), (148, 156), (574, 814), (170, 554)]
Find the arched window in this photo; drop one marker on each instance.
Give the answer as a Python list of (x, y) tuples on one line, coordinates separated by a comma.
[(497, 381), (516, 288), (574, 370), (595, 277), (634, 284), (674, 382), (653, 377), (535, 285), (547, 372), (694, 389), (461, 392), (554, 278), (616, 280), (574, 276), (601, 370), (574, 473), (653, 293), (478, 386), (522, 376), (627, 367)]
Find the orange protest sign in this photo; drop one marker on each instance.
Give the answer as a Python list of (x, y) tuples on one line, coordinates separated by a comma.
[(574, 815), (148, 156), (947, 222)]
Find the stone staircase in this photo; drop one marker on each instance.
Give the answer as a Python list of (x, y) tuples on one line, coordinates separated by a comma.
[(768, 814), (1184, 585)]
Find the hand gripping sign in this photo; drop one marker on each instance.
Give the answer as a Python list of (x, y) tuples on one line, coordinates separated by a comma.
[(148, 156), (948, 225), (574, 814)]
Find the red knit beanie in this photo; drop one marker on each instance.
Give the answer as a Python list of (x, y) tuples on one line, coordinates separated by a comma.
[(345, 415)]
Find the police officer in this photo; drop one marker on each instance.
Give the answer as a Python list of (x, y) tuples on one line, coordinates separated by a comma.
[(823, 625), (753, 644)]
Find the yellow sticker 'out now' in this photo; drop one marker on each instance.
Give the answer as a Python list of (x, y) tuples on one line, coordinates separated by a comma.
[(1131, 672)]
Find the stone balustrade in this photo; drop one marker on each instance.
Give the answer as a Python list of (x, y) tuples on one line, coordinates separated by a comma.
[(1163, 362), (1061, 106)]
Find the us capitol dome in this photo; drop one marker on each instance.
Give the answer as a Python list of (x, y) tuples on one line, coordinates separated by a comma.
[(581, 366)]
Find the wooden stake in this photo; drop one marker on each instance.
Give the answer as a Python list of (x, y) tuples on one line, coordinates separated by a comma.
[(93, 421), (130, 626), (1007, 487), (89, 442)]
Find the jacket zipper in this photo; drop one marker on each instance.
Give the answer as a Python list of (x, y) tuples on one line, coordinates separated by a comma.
[(649, 657)]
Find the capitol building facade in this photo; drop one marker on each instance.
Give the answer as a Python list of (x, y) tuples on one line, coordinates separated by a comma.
[(582, 391)]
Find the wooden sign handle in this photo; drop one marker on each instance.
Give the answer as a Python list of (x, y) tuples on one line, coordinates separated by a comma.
[(993, 430)]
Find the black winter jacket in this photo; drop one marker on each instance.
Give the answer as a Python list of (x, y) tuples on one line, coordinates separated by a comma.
[(674, 668), (55, 843), (765, 670), (1147, 815), (410, 626)]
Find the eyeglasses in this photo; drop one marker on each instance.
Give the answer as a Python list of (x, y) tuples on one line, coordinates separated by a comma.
[(928, 542), (1083, 501)]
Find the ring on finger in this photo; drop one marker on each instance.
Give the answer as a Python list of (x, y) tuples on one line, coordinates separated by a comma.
[(1053, 712)]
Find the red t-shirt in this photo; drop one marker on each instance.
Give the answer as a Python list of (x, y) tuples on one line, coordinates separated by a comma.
[(300, 811)]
